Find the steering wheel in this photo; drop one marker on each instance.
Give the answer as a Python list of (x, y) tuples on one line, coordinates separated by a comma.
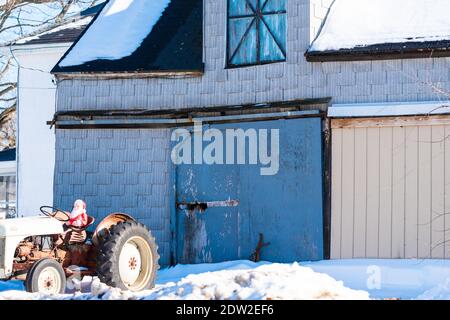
[(54, 213)]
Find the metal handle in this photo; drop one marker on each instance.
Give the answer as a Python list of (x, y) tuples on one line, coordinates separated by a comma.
[(202, 206)]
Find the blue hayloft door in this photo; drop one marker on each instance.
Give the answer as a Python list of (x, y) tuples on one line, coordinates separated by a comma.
[(221, 210)]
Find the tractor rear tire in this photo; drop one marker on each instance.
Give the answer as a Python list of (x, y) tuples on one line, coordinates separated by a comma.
[(128, 257), (46, 276)]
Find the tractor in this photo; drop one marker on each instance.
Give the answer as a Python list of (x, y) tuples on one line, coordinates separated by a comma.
[(45, 251)]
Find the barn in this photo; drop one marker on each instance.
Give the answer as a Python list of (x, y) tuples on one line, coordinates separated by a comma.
[(265, 130)]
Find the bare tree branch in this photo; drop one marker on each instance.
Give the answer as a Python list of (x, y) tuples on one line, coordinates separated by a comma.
[(17, 21)]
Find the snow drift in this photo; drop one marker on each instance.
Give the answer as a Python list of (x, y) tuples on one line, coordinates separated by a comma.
[(440, 292), (242, 281), (330, 279), (268, 282)]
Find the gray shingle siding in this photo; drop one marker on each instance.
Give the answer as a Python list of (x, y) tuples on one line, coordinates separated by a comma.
[(117, 171), (127, 170)]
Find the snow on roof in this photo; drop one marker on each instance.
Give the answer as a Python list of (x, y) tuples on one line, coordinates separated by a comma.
[(388, 109), (117, 32), (67, 32), (359, 23)]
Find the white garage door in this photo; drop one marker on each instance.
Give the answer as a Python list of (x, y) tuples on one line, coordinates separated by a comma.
[(391, 188)]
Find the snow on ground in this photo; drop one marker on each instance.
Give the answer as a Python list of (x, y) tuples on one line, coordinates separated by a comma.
[(356, 23), (117, 32), (334, 279), (405, 279), (267, 282), (238, 280), (440, 292)]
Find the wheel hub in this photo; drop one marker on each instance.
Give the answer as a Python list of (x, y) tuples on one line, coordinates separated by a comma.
[(129, 264), (48, 281), (135, 264)]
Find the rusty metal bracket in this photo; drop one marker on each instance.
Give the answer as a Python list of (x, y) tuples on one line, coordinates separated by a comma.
[(202, 206), (256, 256)]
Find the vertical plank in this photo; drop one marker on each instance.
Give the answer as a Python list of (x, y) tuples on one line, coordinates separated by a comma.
[(411, 142), (398, 193), (424, 192), (336, 193), (373, 191), (348, 179), (385, 232), (359, 232), (446, 175), (438, 192)]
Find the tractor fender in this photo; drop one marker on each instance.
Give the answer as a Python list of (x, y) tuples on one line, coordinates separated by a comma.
[(105, 225)]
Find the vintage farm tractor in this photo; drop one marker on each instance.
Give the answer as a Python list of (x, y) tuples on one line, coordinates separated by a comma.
[(44, 251)]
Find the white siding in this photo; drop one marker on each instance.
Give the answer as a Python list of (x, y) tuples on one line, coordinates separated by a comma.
[(36, 142), (390, 188)]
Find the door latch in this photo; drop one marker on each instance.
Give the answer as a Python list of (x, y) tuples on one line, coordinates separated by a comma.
[(202, 206)]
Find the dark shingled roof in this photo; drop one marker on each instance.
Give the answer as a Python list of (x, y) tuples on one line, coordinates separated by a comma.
[(175, 44), (8, 155), (92, 11), (384, 51), (63, 35), (60, 36)]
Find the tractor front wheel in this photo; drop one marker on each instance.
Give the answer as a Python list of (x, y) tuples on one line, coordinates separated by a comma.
[(128, 257), (46, 276)]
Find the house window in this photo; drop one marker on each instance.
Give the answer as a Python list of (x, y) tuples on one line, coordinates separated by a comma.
[(256, 32), (8, 196)]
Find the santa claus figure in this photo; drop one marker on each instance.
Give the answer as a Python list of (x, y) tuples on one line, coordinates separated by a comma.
[(78, 216)]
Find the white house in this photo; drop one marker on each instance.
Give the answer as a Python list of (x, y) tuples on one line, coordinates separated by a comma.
[(36, 55)]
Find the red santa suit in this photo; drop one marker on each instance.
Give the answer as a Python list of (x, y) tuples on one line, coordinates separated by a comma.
[(78, 216)]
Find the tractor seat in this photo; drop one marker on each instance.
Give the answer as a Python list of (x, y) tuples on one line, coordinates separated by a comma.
[(90, 221), (76, 235)]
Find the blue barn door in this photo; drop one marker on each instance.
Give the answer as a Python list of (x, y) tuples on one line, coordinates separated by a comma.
[(221, 210)]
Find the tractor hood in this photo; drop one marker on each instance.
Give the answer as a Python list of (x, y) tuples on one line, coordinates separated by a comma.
[(30, 226)]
